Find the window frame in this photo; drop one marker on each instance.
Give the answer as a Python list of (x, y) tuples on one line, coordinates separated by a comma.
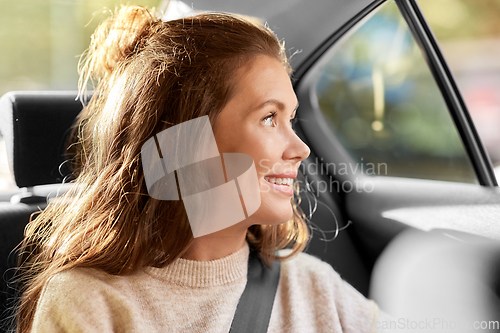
[(444, 78), (310, 121)]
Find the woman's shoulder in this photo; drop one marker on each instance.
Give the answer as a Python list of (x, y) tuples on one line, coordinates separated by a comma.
[(67, 298), (316, 285), (85, 298), (307, 271), (82, 284), (306, 265), (79, 279), (93, 285)]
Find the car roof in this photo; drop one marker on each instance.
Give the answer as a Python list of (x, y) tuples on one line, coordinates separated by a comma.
[(302, 24)]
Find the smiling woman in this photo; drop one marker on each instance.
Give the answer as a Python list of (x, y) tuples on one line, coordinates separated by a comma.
[(256, 121), (109, 257)]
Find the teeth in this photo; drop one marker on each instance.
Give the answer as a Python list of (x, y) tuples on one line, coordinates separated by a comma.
[(280, 181)]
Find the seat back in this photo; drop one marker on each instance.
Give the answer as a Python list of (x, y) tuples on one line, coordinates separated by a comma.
[(35, 127)]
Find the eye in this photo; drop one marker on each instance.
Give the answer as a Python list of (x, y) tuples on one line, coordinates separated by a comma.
[(293, 121), (269, 120)]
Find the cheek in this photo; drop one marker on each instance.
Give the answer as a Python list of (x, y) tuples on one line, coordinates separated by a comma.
[(266, 154), (260, 143), (232, 137)]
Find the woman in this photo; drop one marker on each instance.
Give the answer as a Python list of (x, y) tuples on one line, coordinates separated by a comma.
[(115, 259)]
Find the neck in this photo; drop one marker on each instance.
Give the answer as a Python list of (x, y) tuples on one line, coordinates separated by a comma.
[(217, 245)]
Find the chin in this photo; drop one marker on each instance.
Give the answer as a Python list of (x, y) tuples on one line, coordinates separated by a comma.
[(275, 217), (287, 217)]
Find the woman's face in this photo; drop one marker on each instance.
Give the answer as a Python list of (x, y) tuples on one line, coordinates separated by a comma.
[(257, 121)]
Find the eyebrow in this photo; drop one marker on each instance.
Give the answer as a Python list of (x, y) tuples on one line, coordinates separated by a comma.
[(279, 104)]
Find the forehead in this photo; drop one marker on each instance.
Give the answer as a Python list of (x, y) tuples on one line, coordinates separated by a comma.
[(264, 79)]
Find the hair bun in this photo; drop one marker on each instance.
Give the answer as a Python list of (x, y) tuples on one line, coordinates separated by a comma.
[(116, 38)]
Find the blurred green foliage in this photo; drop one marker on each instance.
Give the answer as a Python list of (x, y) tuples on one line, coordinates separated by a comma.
[(462, 19), (41, 40), (380, 100)]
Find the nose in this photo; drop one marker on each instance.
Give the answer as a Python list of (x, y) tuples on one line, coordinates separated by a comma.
[(297, 150)]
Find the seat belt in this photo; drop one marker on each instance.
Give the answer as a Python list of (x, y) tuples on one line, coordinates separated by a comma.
[(253, 312)]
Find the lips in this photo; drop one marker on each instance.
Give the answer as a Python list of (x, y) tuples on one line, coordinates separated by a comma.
[(286, 174), (282, 182), (279, 181), (285, 178)]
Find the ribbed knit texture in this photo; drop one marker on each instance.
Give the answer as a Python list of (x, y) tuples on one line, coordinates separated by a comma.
[(200, 296), (204, 274)]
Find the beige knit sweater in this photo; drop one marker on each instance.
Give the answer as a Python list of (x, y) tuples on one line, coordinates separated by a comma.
[(200, 296)]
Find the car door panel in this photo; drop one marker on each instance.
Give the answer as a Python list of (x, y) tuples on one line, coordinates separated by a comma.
[(397, 204)]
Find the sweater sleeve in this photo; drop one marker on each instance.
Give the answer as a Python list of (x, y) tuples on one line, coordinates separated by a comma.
[(312, 297), (76, 301), (356, 313)]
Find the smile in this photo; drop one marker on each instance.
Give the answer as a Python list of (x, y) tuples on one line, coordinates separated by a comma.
[(280, 181)]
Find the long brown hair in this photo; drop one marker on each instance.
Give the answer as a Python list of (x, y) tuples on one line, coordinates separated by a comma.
[(148, 75)]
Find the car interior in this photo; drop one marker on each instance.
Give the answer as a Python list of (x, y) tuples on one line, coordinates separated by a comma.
[(437, 183)]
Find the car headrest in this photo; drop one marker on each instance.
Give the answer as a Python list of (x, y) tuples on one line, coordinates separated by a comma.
[(36, 126)]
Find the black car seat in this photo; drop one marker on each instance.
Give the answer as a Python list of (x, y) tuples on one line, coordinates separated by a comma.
[(35, 127)]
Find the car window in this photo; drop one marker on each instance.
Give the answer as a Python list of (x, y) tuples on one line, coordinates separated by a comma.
[(41, 42), (379, 98), (469, 37)]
